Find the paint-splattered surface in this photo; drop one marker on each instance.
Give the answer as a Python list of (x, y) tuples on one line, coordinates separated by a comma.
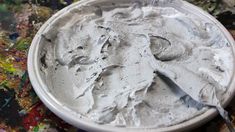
[(20, 108)]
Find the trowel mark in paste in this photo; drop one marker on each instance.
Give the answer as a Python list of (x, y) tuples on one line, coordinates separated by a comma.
[(82, 60), (164, 50), (96, 77)]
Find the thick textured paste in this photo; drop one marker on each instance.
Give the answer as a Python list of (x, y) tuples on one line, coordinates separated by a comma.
[(136, 65)]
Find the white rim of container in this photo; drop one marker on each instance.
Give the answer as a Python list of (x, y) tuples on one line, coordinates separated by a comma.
[(74, 119)]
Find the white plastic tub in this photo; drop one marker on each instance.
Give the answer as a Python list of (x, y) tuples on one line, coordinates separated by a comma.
[(72, 117)]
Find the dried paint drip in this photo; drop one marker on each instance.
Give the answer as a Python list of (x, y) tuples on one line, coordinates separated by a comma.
[(114, 62)]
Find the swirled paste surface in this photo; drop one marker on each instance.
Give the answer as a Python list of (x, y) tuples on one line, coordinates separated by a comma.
[(105, 62)]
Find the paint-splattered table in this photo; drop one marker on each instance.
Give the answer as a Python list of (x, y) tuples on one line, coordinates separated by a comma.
[(20, 108)]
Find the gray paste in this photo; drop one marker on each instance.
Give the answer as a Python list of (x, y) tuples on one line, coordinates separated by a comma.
[(110, 62)]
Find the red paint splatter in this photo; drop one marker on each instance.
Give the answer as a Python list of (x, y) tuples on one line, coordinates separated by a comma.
[(34, 116), (59, 123)]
